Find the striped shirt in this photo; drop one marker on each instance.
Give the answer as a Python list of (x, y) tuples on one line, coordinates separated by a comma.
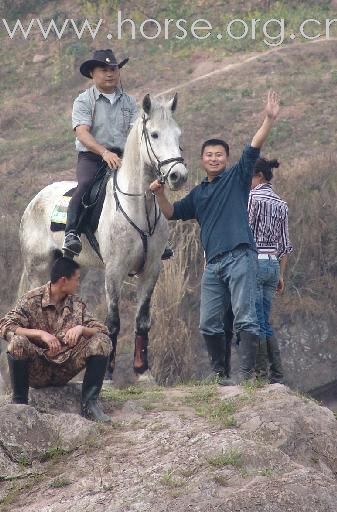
[(268, 219)]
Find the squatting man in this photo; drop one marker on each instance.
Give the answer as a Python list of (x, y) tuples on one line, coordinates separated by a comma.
[(52, 337)]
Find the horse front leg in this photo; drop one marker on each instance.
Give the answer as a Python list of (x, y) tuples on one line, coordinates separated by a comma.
[(113, 290), (146, 284)]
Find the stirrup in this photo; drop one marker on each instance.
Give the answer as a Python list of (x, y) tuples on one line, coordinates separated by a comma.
[(72, 244)]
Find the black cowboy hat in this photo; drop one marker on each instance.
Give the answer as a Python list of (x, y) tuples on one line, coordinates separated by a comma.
[(99, 58)]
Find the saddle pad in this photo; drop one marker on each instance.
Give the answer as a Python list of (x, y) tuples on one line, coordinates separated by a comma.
[(58, 218)]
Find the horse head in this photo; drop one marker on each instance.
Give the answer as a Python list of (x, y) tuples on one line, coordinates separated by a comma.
[(160, 148)]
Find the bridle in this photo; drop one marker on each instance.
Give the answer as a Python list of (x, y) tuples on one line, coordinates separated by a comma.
[(157, 164)]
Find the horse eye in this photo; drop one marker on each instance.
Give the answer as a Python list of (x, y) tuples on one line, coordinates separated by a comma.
[(155, 135), (181, 148)]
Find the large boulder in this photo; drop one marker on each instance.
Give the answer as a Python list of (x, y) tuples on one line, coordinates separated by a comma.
[(28, 436)]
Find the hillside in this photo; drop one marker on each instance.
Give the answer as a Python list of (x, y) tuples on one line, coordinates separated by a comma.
[(222, 85)]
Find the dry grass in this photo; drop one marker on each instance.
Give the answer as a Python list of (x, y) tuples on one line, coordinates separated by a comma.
[(310, 188), (175, 340)]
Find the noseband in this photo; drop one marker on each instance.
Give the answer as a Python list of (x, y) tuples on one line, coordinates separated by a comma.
[(156, 162)]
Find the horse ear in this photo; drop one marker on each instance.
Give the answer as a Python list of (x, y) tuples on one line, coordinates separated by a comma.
[(147, 104), (173, 102)]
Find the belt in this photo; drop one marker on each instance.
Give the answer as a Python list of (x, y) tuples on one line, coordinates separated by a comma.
[(219, 257), (267, 257)]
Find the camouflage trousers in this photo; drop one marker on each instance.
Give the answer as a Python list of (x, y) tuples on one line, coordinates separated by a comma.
[(44, 371)]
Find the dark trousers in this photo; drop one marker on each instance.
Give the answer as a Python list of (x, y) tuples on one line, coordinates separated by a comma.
[(88, 163)]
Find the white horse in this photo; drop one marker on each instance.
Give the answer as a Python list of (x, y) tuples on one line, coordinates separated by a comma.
[(131, 232)]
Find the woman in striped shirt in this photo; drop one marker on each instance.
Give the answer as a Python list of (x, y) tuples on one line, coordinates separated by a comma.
[(268, 219)]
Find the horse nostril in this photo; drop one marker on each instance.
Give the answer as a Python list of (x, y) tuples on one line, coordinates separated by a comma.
[(174, 176)]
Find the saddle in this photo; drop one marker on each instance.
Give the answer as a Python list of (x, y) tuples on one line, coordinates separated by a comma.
[(91, 209)]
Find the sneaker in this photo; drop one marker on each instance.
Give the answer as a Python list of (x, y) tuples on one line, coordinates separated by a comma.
[(72, 243)]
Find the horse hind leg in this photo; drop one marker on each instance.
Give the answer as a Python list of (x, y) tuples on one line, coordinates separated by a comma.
[(113, 324), (113, 289)]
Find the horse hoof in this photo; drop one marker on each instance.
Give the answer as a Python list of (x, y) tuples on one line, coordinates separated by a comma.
[(146, 377)]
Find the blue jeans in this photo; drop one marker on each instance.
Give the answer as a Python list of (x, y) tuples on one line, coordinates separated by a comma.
[(268, 274), (230, 280)]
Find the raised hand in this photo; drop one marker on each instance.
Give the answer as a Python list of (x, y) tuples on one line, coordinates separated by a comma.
[(272, 105)]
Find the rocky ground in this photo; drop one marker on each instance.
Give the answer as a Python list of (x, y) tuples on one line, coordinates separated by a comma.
[(198, 447)]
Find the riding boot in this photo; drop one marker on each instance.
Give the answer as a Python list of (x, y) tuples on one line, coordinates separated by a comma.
[(217, 350), (140, 354), (247, 348), (274, 356), (91, 387), (167, 254), (261, 367), (72, 240), (19, 374)]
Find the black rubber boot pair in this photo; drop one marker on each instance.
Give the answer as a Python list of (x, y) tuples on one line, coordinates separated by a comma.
[(91, 387), (19, 374), (219, 351)]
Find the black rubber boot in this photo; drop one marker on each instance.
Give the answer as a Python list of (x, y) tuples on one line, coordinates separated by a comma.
[(261, 366), (217, 351), (274, 356), (248, 346), (228, 352), (72, 240), (91, 387), (19, 374)]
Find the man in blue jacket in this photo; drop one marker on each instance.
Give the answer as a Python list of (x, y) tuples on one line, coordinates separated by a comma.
[(219, 204)]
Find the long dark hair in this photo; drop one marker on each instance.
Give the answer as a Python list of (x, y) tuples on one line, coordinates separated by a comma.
[(266, 167)]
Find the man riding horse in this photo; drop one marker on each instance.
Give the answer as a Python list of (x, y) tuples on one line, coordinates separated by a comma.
[(102, 118)]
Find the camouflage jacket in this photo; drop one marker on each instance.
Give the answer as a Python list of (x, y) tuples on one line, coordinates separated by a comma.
[(35, 310)]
